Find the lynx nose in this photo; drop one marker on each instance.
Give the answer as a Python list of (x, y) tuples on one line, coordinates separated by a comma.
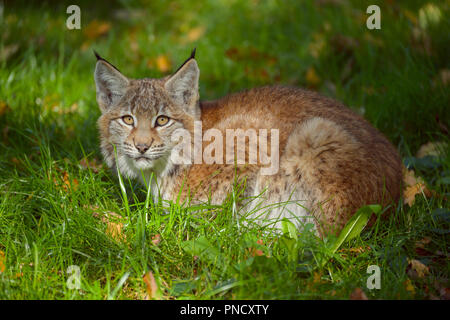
[(142, 147)]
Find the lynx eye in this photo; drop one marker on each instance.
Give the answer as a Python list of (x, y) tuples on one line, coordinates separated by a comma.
[(128, 120), (162, 121)]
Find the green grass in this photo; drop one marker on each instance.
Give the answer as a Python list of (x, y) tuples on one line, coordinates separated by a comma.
[(48, 125)]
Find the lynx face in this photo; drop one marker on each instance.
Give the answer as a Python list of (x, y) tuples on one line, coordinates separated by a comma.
[(139, 117)]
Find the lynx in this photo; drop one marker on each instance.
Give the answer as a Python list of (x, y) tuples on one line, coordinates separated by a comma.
[(330, 160)]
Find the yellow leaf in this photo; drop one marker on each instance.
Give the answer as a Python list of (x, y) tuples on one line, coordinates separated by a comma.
[(163, 63), (114, 226), (3, 108), (96, 29), (2, 261), (409, 178), (419, 268), (409, 286), (317, 46), (431, 149), (317, 277), (413, 185), (312, 79), (195, 33), (410, 193)]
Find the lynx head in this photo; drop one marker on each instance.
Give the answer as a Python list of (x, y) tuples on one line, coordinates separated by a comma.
[(139, 116)]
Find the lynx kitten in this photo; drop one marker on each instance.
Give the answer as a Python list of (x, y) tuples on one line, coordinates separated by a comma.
[(327, 160)]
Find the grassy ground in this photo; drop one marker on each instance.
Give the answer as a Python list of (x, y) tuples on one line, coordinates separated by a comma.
[(57, 201)]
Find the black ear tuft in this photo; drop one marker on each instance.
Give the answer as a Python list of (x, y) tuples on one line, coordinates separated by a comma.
[(101, 59), (98, 56), (192, 54), (191, 57)]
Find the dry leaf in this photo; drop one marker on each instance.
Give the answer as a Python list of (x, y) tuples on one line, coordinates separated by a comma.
[(96, 29), (195, 33), (409, 286), (431, 149), (413, 186), (65, 182), (358, 294), (410, 193), (317, 46), (163, 63), (423, 242), (114, 227), (311, 77), (418, 269), (2, 261), (4, 108), (151, 286), (317, 277)]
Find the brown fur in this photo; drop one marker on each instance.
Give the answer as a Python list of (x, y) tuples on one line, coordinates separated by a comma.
[(331, 159)]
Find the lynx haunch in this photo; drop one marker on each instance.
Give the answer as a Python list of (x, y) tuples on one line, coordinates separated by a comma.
[(331, 160)]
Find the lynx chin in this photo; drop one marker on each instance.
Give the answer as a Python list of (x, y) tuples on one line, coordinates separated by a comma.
[(330, 161)]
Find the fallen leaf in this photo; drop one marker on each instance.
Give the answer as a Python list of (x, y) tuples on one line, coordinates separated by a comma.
[(317, 45), (431, 149), (409, 286), (163, 63), (412, 186), (317, 277), (64, 181), (421, 243), (358, 294), (151, 286), (418, 269), (410, 193), (114, 226), (2, 261), (311, 77), (4, 108), (195, 33), (96, 29)]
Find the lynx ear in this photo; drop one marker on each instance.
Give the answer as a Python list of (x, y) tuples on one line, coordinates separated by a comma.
[(110, 83), (182, 86)]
